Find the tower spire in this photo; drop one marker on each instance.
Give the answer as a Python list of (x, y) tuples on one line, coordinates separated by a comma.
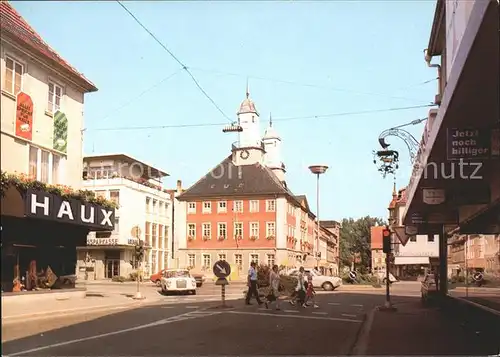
[(248, 90), (270, 119), (394, 193)]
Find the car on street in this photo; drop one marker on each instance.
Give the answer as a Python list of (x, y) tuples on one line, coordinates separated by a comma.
[(199, 277), (156, 278), (327, 283), (428, 289), (178, 280)]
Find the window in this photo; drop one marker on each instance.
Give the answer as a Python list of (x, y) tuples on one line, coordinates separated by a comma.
[(222, 230), (55, 94), (254, 229), (155, 206), (270, 205), (114, 195), (207, 207), (148, 204), (222, 257), (192, 207), (165, 237), (44, 166), (161, 208), (254, 258), (413, 238), (207, 261), (238, 206), (430, 238), (270, 229), (238, 260), (33, 162), (161, 243), (154, 234), (207, 230), (13, 76), (222, 207), (238, 230), (191, 260), (254, 206), (192, 230), (117, 225), (147, 233), (270, 260)]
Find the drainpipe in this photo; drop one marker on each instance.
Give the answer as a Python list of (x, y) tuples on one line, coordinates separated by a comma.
[(428, 61)]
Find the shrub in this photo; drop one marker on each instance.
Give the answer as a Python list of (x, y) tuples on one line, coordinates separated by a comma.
[(118, 279)]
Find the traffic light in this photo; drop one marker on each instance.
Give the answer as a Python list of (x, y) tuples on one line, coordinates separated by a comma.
[(386, 240), (139, 252)]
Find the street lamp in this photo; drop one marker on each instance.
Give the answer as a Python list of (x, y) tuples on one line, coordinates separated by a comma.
[(317, 170)]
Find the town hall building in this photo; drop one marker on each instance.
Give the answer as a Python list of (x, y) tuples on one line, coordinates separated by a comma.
[(242, 210)]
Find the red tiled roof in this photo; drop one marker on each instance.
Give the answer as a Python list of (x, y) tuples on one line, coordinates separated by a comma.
[(13, 24), (400, 199)]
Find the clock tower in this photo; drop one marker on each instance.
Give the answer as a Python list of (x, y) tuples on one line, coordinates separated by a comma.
[(249, 149)]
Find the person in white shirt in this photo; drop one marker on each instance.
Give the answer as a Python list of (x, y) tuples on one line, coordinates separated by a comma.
[(300, 290), (252, 285)]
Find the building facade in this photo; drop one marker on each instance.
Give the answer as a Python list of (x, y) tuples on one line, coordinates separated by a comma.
[(144, 213), (331, 234), (377, 255), (242, 210), (474, 252), (44, 214)]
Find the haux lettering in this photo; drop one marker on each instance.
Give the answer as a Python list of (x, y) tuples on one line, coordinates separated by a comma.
[(87, 214)]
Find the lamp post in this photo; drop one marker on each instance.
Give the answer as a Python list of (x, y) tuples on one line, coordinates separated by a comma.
[(317, 170)]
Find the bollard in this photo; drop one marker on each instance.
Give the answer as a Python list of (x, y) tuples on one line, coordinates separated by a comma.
[(222, 282)]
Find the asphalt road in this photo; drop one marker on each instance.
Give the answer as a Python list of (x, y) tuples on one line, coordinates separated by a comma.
[(196, 328)]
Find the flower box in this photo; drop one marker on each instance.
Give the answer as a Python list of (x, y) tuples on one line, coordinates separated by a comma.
[(221, 238), (205, 238), (270, 237), (190, 238), (254, 238), (238, 237)]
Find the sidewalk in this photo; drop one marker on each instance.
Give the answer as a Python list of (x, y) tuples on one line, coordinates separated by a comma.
[(414, 330)]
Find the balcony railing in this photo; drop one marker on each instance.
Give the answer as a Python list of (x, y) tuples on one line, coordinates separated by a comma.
[(256, 144), (116, 179)]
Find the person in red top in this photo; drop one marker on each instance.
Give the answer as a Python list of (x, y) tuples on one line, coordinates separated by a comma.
[(310, 293)]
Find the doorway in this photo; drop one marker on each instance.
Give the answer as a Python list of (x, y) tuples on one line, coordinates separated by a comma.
[(112, 268)]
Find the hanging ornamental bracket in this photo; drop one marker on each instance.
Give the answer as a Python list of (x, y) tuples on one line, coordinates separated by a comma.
[(388, 161)]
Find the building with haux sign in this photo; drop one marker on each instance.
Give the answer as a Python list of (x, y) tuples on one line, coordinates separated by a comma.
[(144, 211), (41, 150)]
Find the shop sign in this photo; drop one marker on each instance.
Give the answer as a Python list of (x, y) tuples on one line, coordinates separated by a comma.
[(133, 241), (416, 254), (432, 196), (472, 144), (44, 205), (24, 116), (102, 241)]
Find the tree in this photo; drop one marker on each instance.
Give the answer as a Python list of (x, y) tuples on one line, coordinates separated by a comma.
[(355, 241)]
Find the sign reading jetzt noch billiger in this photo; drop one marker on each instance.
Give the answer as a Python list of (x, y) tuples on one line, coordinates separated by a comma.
[(39, 204)]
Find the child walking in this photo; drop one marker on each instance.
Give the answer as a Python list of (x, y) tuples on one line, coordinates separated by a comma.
[(311, 293)]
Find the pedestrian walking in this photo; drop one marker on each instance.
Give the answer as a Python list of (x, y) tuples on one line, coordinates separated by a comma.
[(274, 283), (300, 290), (310, 293), (252, 285)]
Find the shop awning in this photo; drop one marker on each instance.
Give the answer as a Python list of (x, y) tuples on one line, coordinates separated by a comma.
[(411, 260)]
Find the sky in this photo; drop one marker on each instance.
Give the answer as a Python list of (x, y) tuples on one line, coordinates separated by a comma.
[(301, 59)]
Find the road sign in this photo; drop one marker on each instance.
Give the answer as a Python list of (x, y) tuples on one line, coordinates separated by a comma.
[(353, 275), (477, 276), (222, 269)]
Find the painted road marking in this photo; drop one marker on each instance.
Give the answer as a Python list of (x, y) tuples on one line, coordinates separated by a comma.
[(192, 307), (186, 316), (292, 316), (294, 311), (321, 313), (357, 305), (167, 307), (333, 303), (349, 315)]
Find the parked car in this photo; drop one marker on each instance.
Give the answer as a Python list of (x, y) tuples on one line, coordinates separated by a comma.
[(428, 289), (324, 282), (156, 278), (199, 277), (178, 280)]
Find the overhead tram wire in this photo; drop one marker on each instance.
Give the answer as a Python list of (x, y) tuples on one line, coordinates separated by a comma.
[(184, 67), (200, 125)]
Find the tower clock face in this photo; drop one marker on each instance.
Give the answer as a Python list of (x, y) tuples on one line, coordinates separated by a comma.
[(244, 154)]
